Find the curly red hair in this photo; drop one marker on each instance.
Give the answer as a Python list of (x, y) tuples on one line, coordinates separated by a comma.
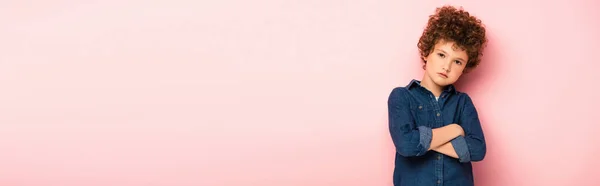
[(454, 25)]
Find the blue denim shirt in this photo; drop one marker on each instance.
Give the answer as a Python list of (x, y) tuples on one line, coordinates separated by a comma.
[(413, 112)]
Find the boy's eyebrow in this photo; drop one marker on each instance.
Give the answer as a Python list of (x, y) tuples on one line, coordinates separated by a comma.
[(441, 50), (461, 59)]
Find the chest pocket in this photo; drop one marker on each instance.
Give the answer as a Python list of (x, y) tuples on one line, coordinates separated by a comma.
[(424, 114)]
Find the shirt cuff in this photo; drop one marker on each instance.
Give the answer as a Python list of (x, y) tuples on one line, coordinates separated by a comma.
[(462, 150), (425, 135)]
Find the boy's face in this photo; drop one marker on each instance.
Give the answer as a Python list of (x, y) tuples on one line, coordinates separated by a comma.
[(446, 63)]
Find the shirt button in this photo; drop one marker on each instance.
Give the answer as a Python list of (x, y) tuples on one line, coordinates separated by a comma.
[(439, 157), (438, 114), (438, 182)]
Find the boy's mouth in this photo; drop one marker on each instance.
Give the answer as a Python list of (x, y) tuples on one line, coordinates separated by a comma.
[(443, 75)]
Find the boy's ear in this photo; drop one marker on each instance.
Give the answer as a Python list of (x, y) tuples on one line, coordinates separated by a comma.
[(424, 62)]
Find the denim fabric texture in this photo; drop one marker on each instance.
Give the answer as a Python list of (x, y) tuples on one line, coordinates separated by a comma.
[(413, 112)]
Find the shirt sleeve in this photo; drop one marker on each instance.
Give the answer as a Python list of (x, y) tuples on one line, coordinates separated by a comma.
[(472, 146), (408, 139)]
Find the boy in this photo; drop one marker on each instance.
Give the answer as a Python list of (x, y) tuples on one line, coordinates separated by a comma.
[(434, 127)]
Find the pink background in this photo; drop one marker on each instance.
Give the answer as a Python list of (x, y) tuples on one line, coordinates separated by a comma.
[(266, 92)]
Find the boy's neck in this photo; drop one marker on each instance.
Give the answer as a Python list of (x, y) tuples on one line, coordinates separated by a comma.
[(435, 89)]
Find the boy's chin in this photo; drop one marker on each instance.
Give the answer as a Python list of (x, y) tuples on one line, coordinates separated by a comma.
[(442, 82)]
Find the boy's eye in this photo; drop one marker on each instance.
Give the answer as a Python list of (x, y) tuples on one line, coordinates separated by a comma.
[(458, 62), (441, 55)]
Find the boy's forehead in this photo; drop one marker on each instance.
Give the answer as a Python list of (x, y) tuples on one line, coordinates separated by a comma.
[(450, 44)]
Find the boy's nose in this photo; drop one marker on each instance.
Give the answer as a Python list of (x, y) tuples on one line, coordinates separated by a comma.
[(446, 66)]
